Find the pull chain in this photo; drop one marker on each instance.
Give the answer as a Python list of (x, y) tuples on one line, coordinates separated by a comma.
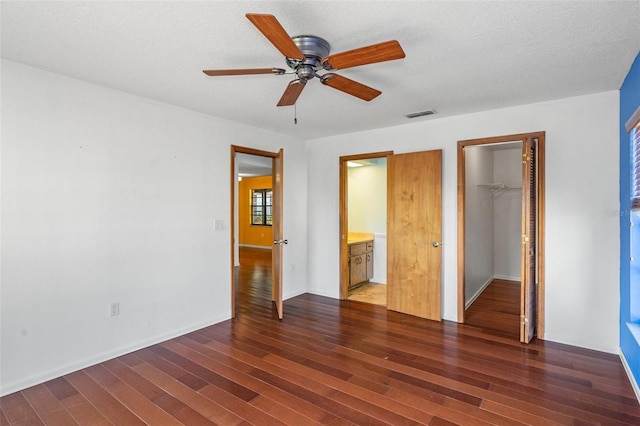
[(295, 113)]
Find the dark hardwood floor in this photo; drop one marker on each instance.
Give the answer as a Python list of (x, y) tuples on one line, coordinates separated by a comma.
[(497, 309), (334, 362)]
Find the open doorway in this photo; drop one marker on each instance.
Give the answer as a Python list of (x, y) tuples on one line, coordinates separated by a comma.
[(364, 228), (256, 188), (501, 235), (493, 212), (413, 231)]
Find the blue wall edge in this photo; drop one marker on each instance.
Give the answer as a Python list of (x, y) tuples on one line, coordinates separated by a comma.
[(629, 344)]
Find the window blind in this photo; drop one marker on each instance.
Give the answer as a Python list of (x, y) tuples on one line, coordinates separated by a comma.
[(635, 166)]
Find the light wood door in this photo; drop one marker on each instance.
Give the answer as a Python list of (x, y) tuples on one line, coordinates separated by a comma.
[(528, 296), (414, 233), (276, 256)]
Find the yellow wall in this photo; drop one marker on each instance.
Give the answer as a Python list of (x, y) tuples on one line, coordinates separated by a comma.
[(254, 235)]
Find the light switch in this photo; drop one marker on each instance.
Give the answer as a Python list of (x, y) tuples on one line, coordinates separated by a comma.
[(219, 225)]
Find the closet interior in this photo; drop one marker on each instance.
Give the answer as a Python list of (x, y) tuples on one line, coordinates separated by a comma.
[(493, 228)]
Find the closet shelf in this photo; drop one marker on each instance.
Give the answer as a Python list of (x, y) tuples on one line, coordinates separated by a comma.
[(497, 188)]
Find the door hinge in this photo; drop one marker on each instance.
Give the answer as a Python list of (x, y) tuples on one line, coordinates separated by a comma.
[(525, 239), (524, 320)]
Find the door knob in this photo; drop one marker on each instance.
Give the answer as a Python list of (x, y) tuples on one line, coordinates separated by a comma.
[(276, 242), (436, 244)]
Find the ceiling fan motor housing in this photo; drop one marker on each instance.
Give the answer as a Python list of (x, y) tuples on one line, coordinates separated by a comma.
[(314, 49)]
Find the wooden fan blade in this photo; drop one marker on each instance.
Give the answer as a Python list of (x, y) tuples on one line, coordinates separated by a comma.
[(291, 93), (349, 86), (272, 30), (381, 52), (244, 71)]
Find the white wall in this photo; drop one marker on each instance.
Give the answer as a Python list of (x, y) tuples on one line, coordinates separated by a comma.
[(367, 202), (582, 255), (479, 236), (379, 259), (111, 197), (507, 214)]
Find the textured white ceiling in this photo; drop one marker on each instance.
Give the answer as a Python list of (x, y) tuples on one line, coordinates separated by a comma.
[(461, 57)]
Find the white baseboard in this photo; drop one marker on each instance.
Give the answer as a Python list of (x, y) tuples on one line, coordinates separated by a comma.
[(88, 362), (477, 293), (293, 294), (506, 278), (484, 286), (632, 379), (331, 295)]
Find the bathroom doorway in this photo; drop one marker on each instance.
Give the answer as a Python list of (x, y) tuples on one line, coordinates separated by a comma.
[(363, 224), (413, 232)]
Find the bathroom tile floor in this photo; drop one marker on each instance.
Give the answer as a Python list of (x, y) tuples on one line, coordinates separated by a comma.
[(370, 293)]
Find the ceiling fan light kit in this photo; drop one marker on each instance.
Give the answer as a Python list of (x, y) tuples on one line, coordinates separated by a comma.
[(307, 55)]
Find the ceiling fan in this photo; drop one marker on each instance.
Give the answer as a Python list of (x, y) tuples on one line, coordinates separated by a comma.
[(307, 55)]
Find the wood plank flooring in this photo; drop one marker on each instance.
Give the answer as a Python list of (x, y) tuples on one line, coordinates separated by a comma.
[(333, 362), (497, 309)]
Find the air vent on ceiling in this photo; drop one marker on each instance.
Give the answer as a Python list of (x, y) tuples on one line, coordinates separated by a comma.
[(421, 113)]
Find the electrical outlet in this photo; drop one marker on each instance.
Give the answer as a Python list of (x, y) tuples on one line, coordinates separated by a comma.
[(115, 309), (219, 224)]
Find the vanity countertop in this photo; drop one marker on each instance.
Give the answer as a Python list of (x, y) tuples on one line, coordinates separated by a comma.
[(359, 237)]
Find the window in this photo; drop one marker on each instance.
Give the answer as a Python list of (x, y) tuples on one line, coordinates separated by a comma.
[(261, 204), (635, 167), (633, 127)]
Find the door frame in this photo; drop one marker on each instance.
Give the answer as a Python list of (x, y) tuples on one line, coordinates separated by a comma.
[(344, 214), (235, 149), (540, 213)]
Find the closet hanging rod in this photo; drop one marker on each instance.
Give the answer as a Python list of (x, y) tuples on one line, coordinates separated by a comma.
[(497, 189), (497, 186)]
